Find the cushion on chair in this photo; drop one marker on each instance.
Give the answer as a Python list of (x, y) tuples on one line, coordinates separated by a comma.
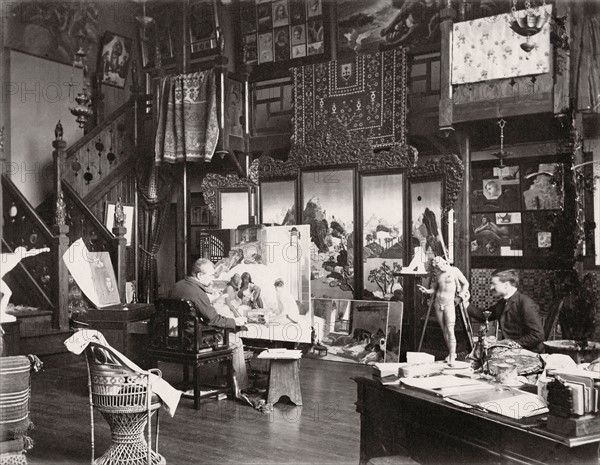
[(14, 396)]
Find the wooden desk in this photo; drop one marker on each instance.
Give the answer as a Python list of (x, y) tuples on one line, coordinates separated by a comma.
[(125, 327), (397, 420)]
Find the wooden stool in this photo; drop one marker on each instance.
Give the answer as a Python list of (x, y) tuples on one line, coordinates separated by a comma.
[(284, 375), (284, 380), (392, 460)]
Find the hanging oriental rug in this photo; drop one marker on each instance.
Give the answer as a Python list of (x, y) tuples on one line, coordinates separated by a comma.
[(367, 93)]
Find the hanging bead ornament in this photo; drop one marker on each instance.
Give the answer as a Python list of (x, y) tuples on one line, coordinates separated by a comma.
[(100, 148), (76, 166), (501, 155), (12, 212), (88, 176), (110, 156)]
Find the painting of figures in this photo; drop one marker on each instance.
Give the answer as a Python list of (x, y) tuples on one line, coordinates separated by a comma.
[(350, 330), (328, 208), (370, 26), (382, 236), (263, 274), (278, 200), (426, 215)]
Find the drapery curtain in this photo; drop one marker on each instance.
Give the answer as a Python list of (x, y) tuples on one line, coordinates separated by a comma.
[(155, 197), (188, 128)]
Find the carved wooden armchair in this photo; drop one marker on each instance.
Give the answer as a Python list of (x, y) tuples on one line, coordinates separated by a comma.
[(178, 335)]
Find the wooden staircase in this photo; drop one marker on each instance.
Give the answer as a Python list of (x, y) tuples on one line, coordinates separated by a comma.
[(44, 294)]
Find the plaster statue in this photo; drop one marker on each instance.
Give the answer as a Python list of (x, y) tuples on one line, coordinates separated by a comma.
[(9, 261), (447, 283)]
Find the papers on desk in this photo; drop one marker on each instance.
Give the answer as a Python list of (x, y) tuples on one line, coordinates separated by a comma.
[(447, 385), (283, 354), (507, 402)]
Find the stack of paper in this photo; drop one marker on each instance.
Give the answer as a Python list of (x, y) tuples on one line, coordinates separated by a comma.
[(448, 385), (386, 369), (510, 403), (410, 370), (280, 354)]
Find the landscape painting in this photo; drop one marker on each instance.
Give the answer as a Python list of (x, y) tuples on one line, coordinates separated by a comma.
[(426, 220), (382, 236), (328, 208), (278, 202)]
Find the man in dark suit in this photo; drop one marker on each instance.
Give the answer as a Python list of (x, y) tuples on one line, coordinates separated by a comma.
[(196, 288), (518, 315)]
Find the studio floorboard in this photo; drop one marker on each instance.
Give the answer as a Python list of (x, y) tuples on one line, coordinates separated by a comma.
[(325, 430)]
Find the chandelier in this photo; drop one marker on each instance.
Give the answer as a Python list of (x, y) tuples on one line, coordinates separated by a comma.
[(528, 22)]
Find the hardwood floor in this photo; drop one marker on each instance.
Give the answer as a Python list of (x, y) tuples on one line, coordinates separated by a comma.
[(325, 430)]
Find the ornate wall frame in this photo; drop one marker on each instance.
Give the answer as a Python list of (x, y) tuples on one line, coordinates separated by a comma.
[(213, 183), (332, 145)]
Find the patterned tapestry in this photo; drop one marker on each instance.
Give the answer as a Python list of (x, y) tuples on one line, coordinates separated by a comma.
[(367, 93), (487, 48), (188, 129)]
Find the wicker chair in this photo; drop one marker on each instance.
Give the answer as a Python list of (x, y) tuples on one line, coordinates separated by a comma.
[(178, 335), (125, 399)]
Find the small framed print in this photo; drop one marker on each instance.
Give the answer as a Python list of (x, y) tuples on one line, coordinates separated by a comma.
[(265, 47), (315, 31), (315, 8), (281, 15), (250, 49), (298, 51), (265, 20), (298, 34), (315, 49), (297, 11), (282, 44)]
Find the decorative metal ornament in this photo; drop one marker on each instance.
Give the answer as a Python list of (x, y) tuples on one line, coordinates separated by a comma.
[(530, 23), (501, 155), (82, 111), (110, 156), (100, 148)]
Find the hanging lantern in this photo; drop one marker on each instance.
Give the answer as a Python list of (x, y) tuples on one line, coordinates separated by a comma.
[(82, 111), (529, 22)]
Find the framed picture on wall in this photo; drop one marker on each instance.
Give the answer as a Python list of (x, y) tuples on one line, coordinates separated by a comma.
[(382, 231), (114, 59), (109, 219), (202, 28), (278, 202), (328, 207), (234, 208)]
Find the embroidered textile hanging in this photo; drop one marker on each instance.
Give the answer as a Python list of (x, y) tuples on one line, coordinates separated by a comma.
[(367, 93), (487, 48), (188, 128)]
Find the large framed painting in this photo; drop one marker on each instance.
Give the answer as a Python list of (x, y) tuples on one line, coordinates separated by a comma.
[(426, 213), (328, 208), (518, 212), (275, 292), (352, 331), (382, 234), (278, 203), (51, 30), (371, 26)]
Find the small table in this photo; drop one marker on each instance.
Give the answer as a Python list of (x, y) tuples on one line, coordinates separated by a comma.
[(284, 375)]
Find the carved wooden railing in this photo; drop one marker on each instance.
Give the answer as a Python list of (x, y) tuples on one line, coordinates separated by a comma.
[(43, 274)]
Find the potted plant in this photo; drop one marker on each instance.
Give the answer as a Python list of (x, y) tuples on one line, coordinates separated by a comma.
[(578, 298)]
